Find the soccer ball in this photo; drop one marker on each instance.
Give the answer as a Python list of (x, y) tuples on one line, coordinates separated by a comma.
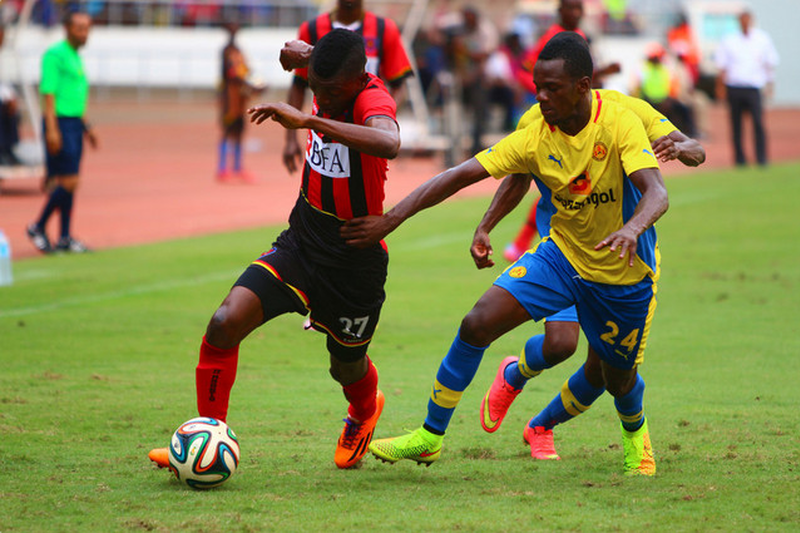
[(204, 453)]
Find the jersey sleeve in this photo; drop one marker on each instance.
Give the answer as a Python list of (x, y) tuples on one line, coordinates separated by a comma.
[(49, 82), (303, 34), (634, 146), (655, 124), (395, 66), (374, 101), (527, 117), (507, 156)]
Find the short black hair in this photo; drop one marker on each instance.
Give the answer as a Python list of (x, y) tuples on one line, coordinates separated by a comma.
[(69, 14), (339, 51), (574, 50)]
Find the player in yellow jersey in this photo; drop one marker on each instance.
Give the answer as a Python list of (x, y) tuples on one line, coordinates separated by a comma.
[(561, 330), (597, 163)]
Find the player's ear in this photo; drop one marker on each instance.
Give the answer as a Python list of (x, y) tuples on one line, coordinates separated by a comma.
[(584, 84)]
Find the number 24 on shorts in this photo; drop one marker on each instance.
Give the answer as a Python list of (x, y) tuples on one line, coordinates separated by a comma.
[(629, 342)]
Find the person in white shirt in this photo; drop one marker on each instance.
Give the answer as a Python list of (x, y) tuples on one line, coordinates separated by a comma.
[(746, 63)]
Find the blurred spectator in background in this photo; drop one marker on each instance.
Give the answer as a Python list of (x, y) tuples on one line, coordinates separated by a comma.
[(472, 45), (570, 13), (746, 63), (9, 119), (667, 87), (616, 19), (682, 43), (386, 57), (65, 93), (504, 74), (236, 89)]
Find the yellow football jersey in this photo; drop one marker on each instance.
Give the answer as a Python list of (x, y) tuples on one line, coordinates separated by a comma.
[(587, 177)]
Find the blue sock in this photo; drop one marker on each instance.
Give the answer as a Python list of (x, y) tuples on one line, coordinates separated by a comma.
[(223, 155), (454, 376), (531, 363), (237, 156), (630, 407), (576, 396), (53, 202), (66, 212)]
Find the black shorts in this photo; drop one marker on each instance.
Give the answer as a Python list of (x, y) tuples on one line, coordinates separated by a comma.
[(67, 161), (344, 303), (233, 128)]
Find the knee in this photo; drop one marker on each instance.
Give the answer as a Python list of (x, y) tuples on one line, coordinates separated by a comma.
[(619, 386), (559, 347), (223, 329), (472, 330)]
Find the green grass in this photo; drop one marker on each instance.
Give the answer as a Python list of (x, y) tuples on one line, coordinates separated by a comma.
[(98, 356)]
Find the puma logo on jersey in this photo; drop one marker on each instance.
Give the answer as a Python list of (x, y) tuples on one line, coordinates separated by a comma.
[(551, 157)]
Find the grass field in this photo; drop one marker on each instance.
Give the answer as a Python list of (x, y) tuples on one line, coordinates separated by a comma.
[(98, 354)]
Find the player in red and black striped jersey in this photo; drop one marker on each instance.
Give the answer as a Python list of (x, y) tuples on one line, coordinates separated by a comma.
[(386, 56), (310, 269)]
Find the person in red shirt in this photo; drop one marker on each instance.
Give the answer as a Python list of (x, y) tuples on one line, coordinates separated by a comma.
[(386, 57), (310, 269)]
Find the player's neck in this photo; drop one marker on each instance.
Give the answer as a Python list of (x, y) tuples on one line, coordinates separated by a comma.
[(347, 16), (583, 112)]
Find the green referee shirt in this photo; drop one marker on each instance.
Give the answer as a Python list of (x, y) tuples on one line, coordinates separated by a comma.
[(64, 77)]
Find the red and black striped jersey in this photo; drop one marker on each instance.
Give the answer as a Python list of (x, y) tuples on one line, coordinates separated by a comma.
[(339, 180)]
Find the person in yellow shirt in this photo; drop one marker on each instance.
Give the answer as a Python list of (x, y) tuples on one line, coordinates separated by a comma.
[(561, 330), (596, 161)]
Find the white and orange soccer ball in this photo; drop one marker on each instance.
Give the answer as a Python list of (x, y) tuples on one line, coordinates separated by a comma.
[(204, 453)]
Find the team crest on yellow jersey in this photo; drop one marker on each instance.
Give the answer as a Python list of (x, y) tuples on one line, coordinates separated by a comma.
[(600, 151), (518, 272), (580, 185)]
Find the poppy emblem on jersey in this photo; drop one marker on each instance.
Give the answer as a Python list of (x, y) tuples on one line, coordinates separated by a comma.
[(580, 185), (599, 152), (518, 272)]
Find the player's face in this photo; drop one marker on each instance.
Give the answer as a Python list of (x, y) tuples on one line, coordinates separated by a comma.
[(571, 12), (336, 94), (78, 29), (349, 5), (557, 92)]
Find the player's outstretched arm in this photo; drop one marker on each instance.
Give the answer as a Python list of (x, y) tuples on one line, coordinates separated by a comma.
[(380, 136), (678, 145), (508, 196), (652, 205), (365, 231)]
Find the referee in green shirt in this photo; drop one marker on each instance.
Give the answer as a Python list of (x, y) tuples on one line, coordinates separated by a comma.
[(65, 91)]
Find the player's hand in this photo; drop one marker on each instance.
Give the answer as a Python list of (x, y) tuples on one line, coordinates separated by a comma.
[(481, 250), (92, 138), (286, 115), (624, 240), (365, 231), (295, 54), (53, 141), (292, 155), (665, 149)]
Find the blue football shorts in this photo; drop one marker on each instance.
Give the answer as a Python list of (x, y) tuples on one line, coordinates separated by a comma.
[(67, 161), (615, 318)]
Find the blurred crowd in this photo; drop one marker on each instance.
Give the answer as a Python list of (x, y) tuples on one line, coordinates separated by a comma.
[(183, 13), (463, 51)]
